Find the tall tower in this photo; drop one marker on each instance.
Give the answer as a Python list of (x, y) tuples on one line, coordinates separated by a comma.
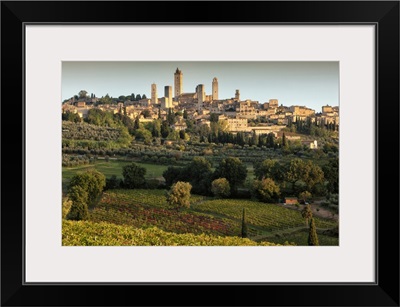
[(168, 96), (154, 98), (178, 81), (215, 89), (237, 95), (201, 95)]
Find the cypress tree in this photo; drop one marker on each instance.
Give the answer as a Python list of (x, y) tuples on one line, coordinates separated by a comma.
[(244, 225), (284, 140), (312, 234)]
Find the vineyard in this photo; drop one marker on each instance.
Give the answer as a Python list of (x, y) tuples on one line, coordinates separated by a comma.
[(269, 217), (148, 208), (141, 211), (86, 233)]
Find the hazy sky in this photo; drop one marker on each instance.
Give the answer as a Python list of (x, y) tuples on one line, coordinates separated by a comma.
[(311, 84)]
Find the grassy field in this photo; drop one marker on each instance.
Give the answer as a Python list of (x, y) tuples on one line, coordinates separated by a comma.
[(110, 168)]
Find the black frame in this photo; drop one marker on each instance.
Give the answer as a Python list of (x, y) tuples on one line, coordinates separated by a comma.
[(383, 14)]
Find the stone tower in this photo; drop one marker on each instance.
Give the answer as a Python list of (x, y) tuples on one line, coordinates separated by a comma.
[(201, 95), (154, 98), (237, 95), (178, 83), (215, 89), (168, 96)]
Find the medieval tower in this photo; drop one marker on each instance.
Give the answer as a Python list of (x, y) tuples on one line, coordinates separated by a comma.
[(201, 95), (154, 98), (215, 89), (168, 97), (237, 95), (178, 83)]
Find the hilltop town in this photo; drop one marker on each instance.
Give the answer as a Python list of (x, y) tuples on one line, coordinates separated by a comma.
[(234, 113)]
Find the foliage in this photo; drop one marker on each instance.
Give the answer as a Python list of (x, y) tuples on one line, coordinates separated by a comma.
[(179, 195), (113, 183), (233, 170), (244, 231), (268, 168), (306, 213), (265, 190), (220, 187), (91, 181), (198, 173), (312, 235), (82, 94), (71, 116), (85, 233), (134, 176), (305, 195), (79, 208), (305, 171), (331, 173)]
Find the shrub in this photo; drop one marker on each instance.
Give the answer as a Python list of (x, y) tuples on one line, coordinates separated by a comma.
[(179, 195), (92, 182), (79, 209), (134, 176), (220, 187)]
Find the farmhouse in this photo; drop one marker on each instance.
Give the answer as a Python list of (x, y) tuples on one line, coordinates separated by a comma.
[(291, 200)]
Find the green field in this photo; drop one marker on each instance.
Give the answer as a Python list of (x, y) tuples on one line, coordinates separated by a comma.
[(110, 168)]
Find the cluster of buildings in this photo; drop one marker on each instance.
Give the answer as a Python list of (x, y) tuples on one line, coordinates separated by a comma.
[(198, 105)]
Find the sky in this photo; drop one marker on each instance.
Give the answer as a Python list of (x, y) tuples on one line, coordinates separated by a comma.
[(310, 84)]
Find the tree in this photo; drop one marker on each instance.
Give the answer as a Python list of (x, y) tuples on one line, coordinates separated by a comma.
[(297, 170), (305, 195), (220, 188), (306, 213), (271, 140), (143, 134), (138, 97), (312, 234), (146, 113), (91, 181), (173, 174), (233, 170), (269, 168), (199, 174), (185, 114), (284, 140), (170, 117), (144, 96), (265, 190), (179, 195), (136, 125), (112, 183), (82, 94), (331, 174), (156, 128), (182, 134), (165, 129), (134, 176), (79, 208), (244, 225), (214, 117)]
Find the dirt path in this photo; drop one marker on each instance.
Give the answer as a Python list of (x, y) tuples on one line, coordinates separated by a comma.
[(317, 210)]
